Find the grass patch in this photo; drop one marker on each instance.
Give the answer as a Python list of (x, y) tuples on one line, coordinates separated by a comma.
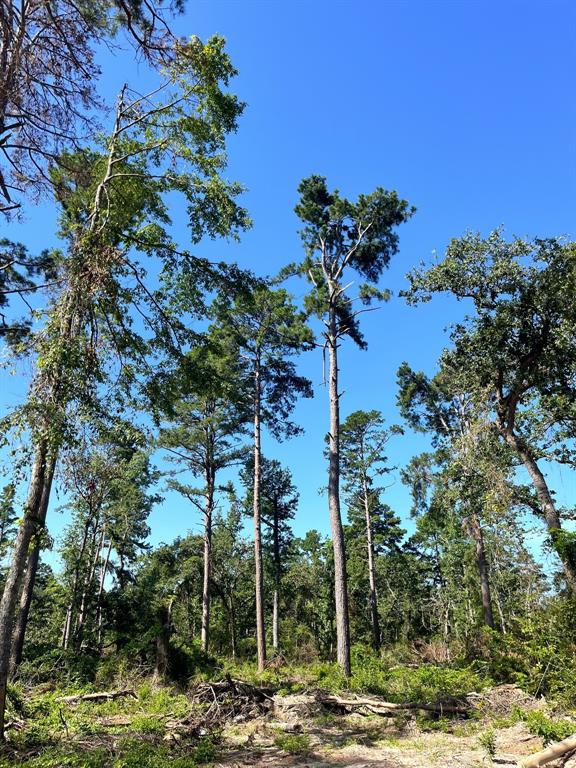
[(371, 675), (128, 753), (293, 744)]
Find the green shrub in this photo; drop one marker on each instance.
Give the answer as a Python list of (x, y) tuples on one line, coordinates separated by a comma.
[(550, 730), (205, 751), (487, 741), (293, 743)]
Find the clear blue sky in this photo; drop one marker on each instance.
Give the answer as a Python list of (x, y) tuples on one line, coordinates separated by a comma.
[(466, 108)]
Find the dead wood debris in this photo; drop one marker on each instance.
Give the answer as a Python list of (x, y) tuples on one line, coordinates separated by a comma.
[(379, 706), (232, 700), (501, 700), (102, 696), (561, 749)]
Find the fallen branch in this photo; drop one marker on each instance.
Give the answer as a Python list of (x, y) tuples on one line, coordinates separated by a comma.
[(103, 696), (551, 753), (378, 706)]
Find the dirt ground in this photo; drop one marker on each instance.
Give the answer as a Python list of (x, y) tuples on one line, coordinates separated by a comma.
[(357, 741), (356, 746)]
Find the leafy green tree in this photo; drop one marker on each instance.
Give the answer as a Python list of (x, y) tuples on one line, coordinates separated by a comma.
[(466, 453), (266, 329), (44, 627), (310, 584), (363, 439), (466, 497), (513, 354), (234, 578), (114, 205), (20, 275), (340, 238), (208, 419), (158, 606), (278, 507), (110, 484)]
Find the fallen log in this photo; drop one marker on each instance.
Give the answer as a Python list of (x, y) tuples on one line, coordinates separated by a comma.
[(553, 752), (102, 696), (381, 707), (285, 727)]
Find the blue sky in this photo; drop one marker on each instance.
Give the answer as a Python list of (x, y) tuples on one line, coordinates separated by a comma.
[(466, 108)]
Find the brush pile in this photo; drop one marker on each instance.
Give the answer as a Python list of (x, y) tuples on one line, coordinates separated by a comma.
[(231, 700)]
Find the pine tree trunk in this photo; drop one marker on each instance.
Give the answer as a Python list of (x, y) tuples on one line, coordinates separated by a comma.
[(207, 576), (340, 575), (475, 530), (375, 620), (32, 523), (162, 666), (566, 554), (277, 579), (232, 615), (260, 627)]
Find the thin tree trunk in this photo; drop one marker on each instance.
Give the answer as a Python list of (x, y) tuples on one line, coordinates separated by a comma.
[(32, 523), (81, 619), (101, 592), (232, 615), (551, 516), (260, 627), (207, 577), (376, 641), (500, 613), (475, 530), (277, 579), (67, 631), (340, 575), (163, 642)]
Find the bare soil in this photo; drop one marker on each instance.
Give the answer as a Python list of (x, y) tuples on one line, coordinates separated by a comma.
[(359, 741)]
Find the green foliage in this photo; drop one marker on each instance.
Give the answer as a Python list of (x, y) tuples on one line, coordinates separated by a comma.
[(539, 654), (128, 753), (374, 675), (512, 355), (563, 543), (340, 234), (427, 682), (53, 726), (550, 729), (487, 740), (293, 743), (262, 327)]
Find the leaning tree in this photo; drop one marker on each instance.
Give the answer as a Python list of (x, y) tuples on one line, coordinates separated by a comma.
[(514, 353), (114, 216), (49, 75)]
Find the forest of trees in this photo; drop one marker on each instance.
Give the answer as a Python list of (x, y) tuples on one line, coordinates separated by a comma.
[(151, 369)]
